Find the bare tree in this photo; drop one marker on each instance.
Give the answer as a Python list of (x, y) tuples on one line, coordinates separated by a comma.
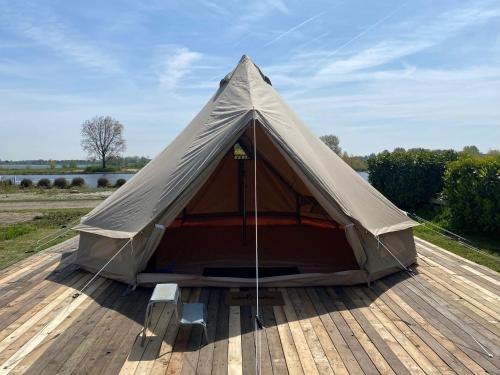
[(102, 137), (332, 141)]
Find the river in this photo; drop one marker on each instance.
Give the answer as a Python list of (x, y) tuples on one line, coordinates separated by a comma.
[(90, 179)]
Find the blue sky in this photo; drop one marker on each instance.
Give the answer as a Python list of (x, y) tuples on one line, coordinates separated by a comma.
[(379, 74)]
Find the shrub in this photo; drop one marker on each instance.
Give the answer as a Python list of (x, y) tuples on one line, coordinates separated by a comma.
[(7, 182), (78, 181), (472, 193), (102, 182), (409, 178), (61, 183), (44, 183), (26, 183), (120, 182)]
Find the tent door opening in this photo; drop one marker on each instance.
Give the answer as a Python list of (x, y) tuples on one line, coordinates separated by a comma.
[(214, 236)]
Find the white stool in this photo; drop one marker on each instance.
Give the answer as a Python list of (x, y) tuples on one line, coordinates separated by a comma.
[(189, 314)]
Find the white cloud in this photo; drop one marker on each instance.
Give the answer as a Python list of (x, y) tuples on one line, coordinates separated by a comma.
[(49, 32), (176, 65), (434, 33), (295, 28)]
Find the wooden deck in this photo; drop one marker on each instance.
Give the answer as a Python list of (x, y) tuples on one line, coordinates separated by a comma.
[(399, 326)]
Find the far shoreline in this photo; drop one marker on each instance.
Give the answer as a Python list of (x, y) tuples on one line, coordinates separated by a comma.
[(22, 172)]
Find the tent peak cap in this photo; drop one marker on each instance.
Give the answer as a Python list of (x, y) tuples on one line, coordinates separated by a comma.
[(246, 64)]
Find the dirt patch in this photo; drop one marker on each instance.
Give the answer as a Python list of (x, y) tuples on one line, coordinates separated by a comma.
[(52, 195), (15, 206), (7, 218)]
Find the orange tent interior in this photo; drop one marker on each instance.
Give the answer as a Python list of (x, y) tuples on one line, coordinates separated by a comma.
[(215, 233)]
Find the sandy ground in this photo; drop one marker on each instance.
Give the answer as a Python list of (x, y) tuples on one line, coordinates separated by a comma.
[(12, 197), (24, 206), (17, 217), (15, 206)]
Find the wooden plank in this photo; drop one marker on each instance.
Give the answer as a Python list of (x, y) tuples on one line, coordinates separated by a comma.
[(219, 362), (162, 360), (234, 355), (247, 340), (265, 359), (482, 275), (448, 255), (456, 318), (68, 361), (324, 352), (406, 304), (469, 286), (137, 350), (474, 301), (205, 359), (442, 324), (387, 345), (70, 339), (465, 306), (88, 307), (49, 329), (305, 355), (119, 344), (362, 358), (22, 310), (366, 341), (289, 350), (423, 355), (403, 317), (348, 359), (277, 357), (154, 342), (39, 282), (19, 329), (36, 281)]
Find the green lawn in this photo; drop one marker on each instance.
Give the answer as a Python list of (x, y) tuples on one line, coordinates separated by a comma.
[(487, 243), (18, 241)]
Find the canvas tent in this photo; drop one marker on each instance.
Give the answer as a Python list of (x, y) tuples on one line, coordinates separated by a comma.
[(188, 215)]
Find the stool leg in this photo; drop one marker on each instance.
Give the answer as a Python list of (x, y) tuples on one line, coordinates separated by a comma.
[(146, 324), (206, 333)]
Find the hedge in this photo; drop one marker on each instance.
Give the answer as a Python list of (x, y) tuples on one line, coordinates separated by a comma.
[(472, 193), (61, 183), (78, 182), (120, 182), (409, 178), (26, 183), (102, 182), (44, 183)]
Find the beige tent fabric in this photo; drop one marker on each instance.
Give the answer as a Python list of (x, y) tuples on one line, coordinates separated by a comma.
[(160, 191)]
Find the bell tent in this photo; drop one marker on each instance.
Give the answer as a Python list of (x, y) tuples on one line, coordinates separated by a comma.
[(189, 216)]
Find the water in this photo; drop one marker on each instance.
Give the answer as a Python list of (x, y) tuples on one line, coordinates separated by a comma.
[(364, 175), (90, 179)]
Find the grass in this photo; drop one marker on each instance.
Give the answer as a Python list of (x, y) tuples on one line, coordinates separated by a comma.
[(487, 243), (18, 241)]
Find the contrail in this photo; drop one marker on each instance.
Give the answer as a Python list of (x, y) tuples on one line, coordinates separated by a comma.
[(296, 27), (369, 28)]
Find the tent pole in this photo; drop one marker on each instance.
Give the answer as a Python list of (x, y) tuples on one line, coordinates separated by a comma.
[(242, 197)]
